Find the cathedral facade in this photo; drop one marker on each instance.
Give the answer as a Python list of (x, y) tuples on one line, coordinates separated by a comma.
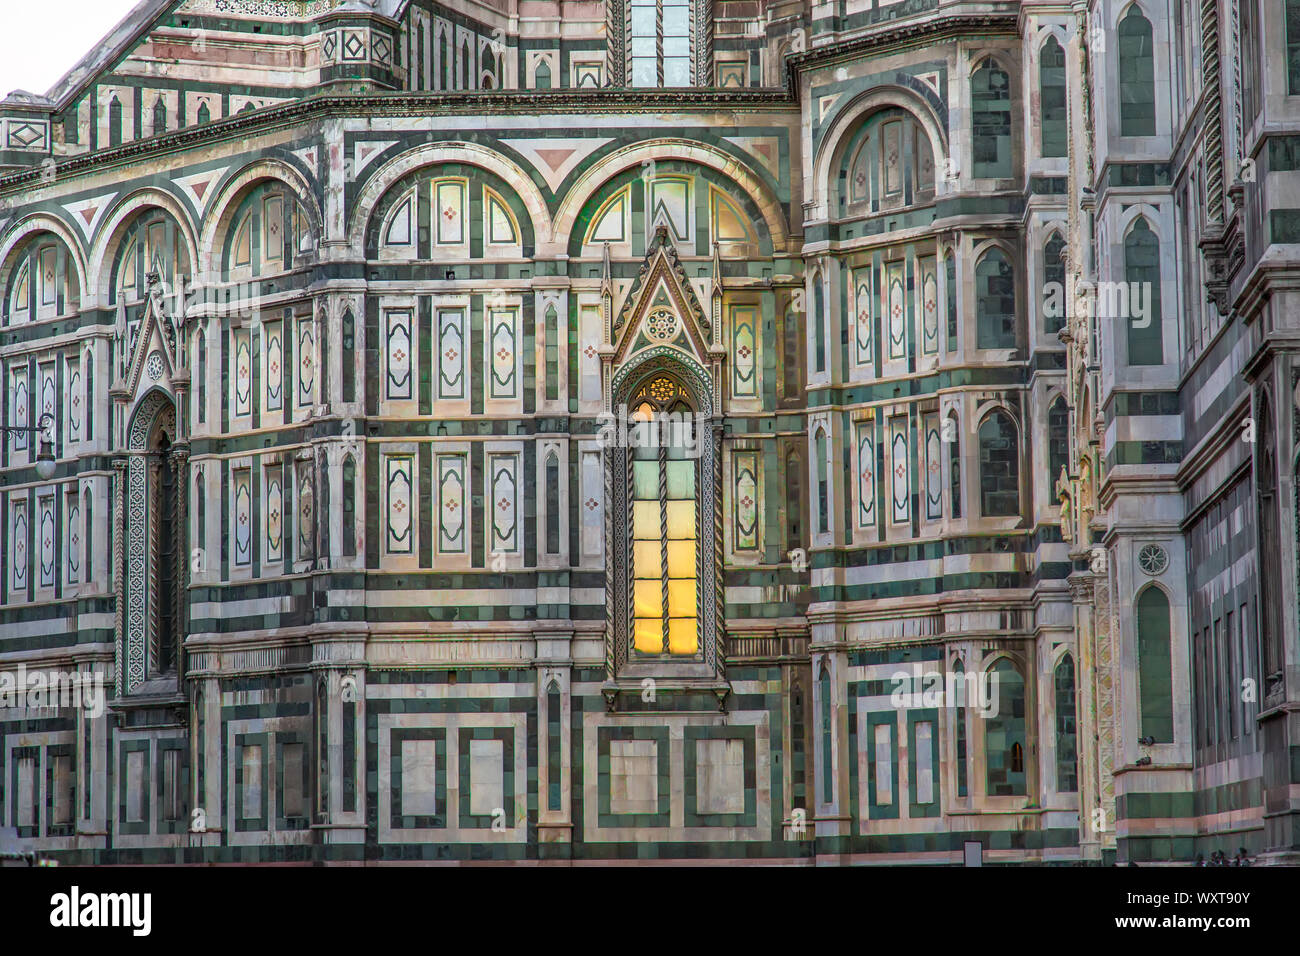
[(606, 431)]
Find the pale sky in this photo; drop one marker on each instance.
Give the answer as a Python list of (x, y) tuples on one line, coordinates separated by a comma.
[(40, 40)]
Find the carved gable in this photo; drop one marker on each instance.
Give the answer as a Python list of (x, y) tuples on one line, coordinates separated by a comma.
[(661, 309)]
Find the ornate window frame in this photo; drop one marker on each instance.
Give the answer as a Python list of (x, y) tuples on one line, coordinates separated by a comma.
[(137, 535), (706, 669), (618, 28)]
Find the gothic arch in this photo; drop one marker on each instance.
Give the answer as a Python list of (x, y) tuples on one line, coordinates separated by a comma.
[(1051, 31), (633, 640), (982, 246), (1015, 659), (1120, 11), (1129, 217), (984, 409), (664, 358), (1044, 233), (147, 413)]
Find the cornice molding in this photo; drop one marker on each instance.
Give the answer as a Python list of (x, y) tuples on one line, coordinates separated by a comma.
[(894, 35), (889, 37), (408, 104)]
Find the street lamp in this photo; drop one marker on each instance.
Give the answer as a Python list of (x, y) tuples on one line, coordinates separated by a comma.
[(45, 429)]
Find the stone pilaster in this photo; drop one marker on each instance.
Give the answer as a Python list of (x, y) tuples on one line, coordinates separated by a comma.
[(338, 663)]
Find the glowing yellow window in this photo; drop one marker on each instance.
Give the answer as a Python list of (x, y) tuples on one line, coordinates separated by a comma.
[(665, 605)]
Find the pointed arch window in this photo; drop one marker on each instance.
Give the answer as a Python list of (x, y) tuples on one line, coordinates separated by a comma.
[(88, 516), (1054, 283), (417, 57), (349, 507), (663, 562), (950, 293), (794, 503), (200, 519), (1155, 674), (823, 489), (1004, 734), (798, 745), (954, 467), (1067, 757), (791, 357), (1058, 441), (1137, 75), (488, 74), (114, 122), (162, 657), (1053, 119), (1142, 271), (990, 122), (553, 503), (999, 466), (552, 354), (88, 363), (201, 374), (959, 728), (819, 322), (665, 520), (554, 747), (995, 297), (824, 692)]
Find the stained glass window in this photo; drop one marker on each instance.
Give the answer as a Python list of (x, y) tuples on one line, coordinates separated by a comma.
[(665, 509)]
